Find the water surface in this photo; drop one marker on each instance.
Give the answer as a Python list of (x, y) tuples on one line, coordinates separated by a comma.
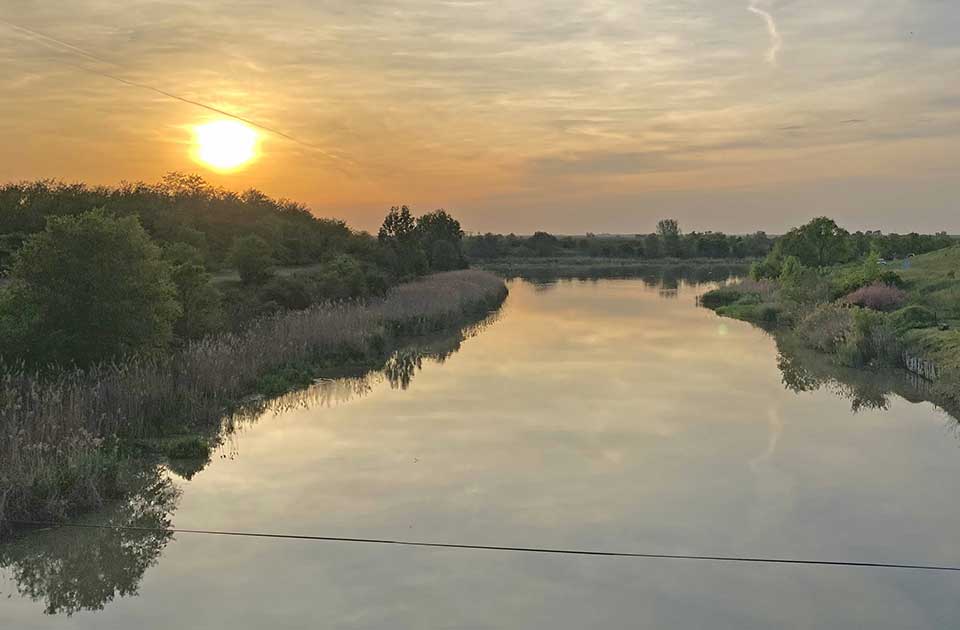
[(609, 415)]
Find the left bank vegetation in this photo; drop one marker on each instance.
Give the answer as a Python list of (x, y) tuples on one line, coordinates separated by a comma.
[(120, 325)]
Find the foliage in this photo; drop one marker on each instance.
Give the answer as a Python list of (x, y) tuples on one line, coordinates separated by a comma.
[(673, 243), (399, 234), (873, 339), (912, 317), (181, 208), (53, 419), (819, 243), (252, 257), (826, 327), (441, 236), (200, 301), (444, 256), (90, 287), (543, 244), (879, 297), (800, 285), (669, 232)]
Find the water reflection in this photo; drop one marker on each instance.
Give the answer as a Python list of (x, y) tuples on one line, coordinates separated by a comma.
[(806, 370), (666, 278), (76, 569), (595, 414)]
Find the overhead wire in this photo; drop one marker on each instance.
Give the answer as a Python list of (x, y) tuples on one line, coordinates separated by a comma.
[(501, 548)]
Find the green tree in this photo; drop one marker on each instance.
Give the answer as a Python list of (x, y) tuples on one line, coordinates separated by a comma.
[(543, 243), (441, 237), (444, 256), (399, 224), (819, 243), (652, 247), (252, 256), (669, 232), (201, 302), (399, 234), (88, 288)]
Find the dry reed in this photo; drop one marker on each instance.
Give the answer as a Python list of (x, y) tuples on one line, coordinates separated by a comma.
[(53, 425)]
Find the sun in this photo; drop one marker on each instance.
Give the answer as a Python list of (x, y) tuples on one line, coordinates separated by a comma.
[(225, 145)]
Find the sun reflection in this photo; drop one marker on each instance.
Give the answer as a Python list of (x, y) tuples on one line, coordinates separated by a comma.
[(225, 145)]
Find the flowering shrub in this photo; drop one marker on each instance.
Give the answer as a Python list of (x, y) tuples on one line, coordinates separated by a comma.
[(878, 297)]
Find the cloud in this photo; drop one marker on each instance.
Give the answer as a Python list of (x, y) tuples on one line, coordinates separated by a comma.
[(776, 41)]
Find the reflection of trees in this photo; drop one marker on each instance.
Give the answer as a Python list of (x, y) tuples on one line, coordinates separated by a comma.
[(77, 569), (806, 370), (398, 369), (665, 278)]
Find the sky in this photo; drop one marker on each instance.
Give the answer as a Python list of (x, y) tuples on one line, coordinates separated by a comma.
[(564, 115)]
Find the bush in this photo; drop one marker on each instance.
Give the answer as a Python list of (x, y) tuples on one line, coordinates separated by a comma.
[(251, 255), (720, 297), (878, 297), (911, 317), (88, 288), (826, 327), (872, 340), (444, 256)]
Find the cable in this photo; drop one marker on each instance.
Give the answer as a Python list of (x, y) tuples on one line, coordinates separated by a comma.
[(62, 46), (537, 550)]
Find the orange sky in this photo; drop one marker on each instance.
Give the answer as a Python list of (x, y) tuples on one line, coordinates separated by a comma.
[(565, 115)]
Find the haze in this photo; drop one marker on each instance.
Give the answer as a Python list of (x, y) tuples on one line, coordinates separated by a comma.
[(565, 115)]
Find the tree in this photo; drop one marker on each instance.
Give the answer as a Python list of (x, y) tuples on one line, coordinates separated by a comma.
[(444, 256), (543, 244), (652, 247), (819, 243), (399, 234), (441, 237), (89, 288), (199, 299), (669, 232), (399, 224), (252, 256)]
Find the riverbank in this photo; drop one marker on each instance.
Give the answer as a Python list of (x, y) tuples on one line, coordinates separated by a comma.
[(895, 314), (701, 269), (68, 436)]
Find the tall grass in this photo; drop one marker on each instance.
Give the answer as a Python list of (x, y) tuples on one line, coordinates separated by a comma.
[(56, 428)]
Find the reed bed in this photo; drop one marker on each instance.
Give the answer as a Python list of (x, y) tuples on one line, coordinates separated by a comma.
[(58, 429)]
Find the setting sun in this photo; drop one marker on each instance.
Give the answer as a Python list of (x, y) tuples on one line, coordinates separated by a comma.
[(225, 145)]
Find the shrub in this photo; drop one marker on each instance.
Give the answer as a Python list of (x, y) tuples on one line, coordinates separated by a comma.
[(251, 255), (911, 317), (48, 421), (89, 288), (878, 297), (720, 297), (744, 291), (872, 340), (826, 327), (444, 256)]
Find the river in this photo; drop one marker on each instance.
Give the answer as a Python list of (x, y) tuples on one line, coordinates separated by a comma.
[(610, 415)]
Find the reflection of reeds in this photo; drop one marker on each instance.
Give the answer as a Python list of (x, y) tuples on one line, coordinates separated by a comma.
[(52, 426)]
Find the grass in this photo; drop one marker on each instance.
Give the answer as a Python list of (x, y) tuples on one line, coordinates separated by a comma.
[(58, 429), (926, 324), (933, 280)]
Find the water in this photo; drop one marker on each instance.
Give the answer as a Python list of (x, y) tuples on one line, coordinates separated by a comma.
[(613, 415)]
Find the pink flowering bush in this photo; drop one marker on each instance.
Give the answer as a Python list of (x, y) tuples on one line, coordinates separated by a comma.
[(878, 297)]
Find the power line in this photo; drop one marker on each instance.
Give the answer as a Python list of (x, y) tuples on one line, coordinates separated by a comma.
[(62, 46), (536, 550)]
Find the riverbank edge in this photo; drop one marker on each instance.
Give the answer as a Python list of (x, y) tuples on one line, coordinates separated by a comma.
[(82, 473), (909, 355)]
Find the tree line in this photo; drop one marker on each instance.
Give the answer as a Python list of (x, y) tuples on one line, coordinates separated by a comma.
[(96, 273), (669, 241), (822, 243)]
